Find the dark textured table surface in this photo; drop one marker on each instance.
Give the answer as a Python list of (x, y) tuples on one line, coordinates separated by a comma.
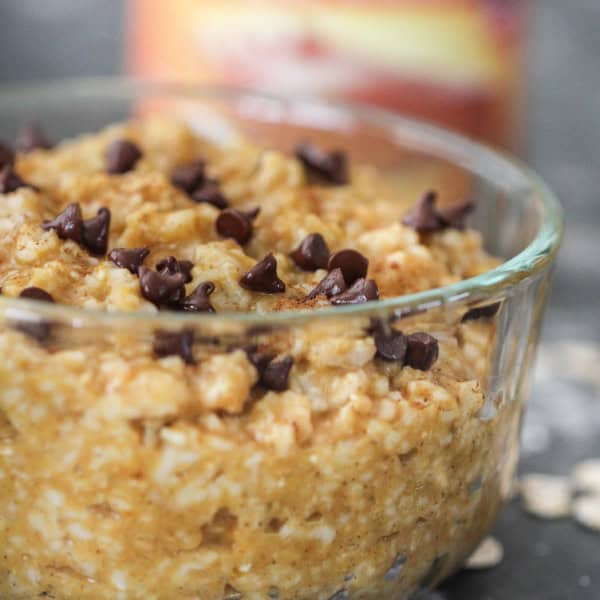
[(543, 560)]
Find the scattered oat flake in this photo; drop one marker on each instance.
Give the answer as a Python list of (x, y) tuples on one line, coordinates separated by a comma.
[(586, 511), (586, 476), (487, 555), (546, 496)]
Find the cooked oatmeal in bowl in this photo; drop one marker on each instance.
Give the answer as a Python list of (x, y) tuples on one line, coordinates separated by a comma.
[(257, 365)]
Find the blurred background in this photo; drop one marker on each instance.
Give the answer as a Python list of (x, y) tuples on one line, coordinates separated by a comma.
[(520, 74)]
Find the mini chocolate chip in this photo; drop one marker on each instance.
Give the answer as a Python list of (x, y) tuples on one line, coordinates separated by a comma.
[(422, 351), (95, 232), (68, 224), (129, 258), (481, 312), (252, 213), (273, 374), (171, 265), (276, 374), (38, 330), (188, 177), (391, 344), (167, 343), (454, 215), (7, 156), (233, 223), (198, 300), (424, 217), (31, 137), (331, 285), (312, 253), (262, 277), (36, 293), (210, 193), (361, 291), (259, 358), (121, 156), (327, 167), (352, 263), (162, 289), (10, 181)]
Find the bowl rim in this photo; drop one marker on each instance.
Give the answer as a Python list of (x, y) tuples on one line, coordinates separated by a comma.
[(460, 150)]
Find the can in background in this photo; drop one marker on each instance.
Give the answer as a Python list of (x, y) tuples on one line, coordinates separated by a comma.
[(459, 63)]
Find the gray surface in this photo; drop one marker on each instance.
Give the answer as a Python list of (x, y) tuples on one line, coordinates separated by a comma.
[(544, 561)]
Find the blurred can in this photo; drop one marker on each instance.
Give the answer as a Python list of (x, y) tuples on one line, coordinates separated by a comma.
[(459, 63)]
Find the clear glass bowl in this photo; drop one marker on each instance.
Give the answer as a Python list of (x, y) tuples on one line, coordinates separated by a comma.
[(115, 491)]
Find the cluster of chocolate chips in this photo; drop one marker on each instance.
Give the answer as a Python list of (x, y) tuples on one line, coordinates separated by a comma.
[(192, 179), (330, 168), (417, 350), (91, 234), (426, 217), (273, 374), (165, 286), (346, 281)]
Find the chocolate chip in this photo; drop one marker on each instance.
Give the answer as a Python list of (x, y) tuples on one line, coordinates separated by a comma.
[(210, 193), (424, 217), (331, 285), (10, 181), (259, 358), (7, 156), (352, 263), (312, 253), (95, 232), (168, 343), (162, 289), (121, 156), (36, 293), (129, 258), (198, 300), (422, 351), (326, 167), (233, 223), (31, 137), (273, 374), (276, 375), (39, 330), (481, 312), (262, 277), (454, 215), (171, 266), (391, 344), (188, 177), (68, 224), (361, 291)]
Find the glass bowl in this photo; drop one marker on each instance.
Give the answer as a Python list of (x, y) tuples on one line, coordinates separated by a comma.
[(119, 479)]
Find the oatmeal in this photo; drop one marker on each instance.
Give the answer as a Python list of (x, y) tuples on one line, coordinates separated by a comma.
[(337, 457)]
